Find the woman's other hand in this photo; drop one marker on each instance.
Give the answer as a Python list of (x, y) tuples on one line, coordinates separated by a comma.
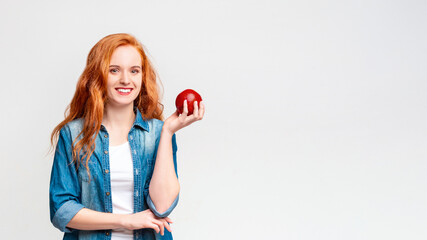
[(146, 219), (177, 121)]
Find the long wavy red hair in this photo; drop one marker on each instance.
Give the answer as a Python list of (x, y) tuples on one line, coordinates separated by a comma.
[(91, 94)]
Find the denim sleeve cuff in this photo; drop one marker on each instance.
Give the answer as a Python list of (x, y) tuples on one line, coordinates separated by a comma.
[(154, 210), (64, 215)]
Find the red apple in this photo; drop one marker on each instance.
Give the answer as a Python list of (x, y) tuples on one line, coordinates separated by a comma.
[(190, 95)]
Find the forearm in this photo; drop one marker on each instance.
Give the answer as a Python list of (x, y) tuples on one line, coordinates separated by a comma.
[(164, 186), (87, 219)]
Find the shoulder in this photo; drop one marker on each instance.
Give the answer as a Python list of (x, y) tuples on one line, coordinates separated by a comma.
[(73, 127), (155, 125), (76, 124), (155, 128)]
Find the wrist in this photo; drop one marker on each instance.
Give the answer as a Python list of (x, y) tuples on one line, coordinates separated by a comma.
[(166, 132), (122, 221)]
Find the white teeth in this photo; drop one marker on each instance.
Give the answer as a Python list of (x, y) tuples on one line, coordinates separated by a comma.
[(123, 90)]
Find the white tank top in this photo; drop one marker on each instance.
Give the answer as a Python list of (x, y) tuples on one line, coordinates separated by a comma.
[(121, 173)]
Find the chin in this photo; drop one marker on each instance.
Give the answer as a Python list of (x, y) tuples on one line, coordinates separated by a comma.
[(120, 104)]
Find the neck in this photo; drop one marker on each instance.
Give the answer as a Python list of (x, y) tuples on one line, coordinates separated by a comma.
[(118, 117)]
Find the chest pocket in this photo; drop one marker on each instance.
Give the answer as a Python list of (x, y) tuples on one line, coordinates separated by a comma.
[(93, 166)]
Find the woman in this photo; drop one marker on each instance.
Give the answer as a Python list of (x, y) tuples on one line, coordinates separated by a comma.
[(114, 173)]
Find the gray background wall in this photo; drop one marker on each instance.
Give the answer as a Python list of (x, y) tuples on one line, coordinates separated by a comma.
[(316, 111)]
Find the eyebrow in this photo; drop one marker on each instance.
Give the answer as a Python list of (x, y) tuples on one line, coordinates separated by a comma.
[(119, 66)]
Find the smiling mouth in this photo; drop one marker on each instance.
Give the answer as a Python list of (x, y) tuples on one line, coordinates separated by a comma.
[(124, 91)]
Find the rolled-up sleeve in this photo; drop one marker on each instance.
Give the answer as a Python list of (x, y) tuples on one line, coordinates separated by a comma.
[(165, 213), (64, 188), (175, 202)]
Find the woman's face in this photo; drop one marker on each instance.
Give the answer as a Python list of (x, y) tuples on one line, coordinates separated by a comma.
[(124, 76)]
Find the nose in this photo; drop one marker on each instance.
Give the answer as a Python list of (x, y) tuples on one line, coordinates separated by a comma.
[(125, 78)]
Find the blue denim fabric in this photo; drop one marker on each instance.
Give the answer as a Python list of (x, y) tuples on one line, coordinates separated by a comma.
[(70, 188)]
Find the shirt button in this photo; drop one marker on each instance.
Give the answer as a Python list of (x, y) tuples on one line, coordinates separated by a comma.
[(107, 171), (107, 233), (105, 136), (134, 151), (108, 193), (106, 152), (130, 137), (136, 193), (136, 171)]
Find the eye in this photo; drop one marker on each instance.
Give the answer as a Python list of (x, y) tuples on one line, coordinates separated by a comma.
[(114, 70), (135, 71)]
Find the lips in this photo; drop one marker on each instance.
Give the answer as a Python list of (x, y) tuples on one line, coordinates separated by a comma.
[(124, 91)]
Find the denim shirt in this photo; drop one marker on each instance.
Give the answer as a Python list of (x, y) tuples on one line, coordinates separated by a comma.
[(70, 189)]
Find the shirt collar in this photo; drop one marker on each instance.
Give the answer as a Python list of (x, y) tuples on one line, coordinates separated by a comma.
[(139, 121)]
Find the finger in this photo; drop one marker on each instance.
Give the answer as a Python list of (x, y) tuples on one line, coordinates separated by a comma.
[(176, 113), (155, 227), (167, 226), (162, 229), (202, 110), (161, 225), (168, 219), (196, 109), (185, 111)]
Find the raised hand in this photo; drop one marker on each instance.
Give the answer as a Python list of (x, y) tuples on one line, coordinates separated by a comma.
[(178, 121)]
